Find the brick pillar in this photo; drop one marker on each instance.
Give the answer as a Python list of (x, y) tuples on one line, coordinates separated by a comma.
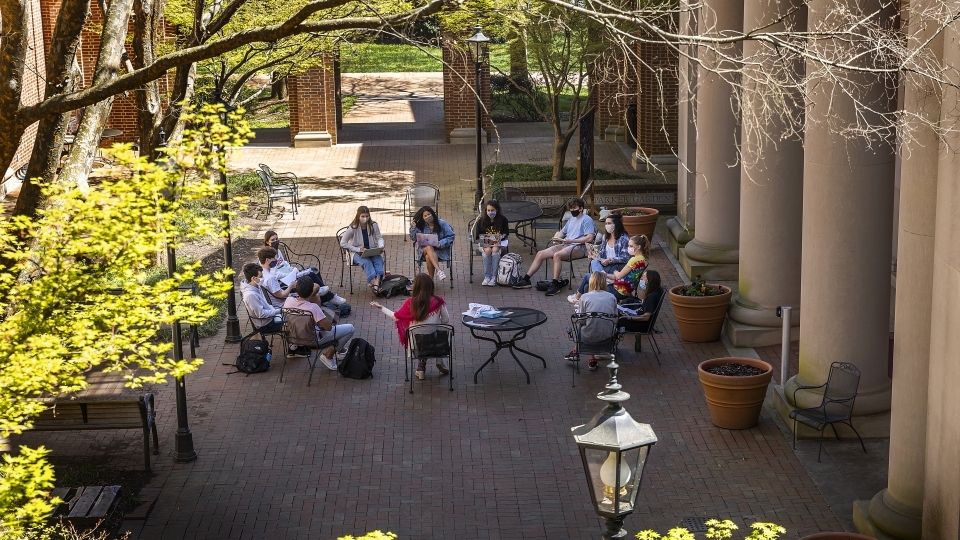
[(614, 81), (313, 106), (657, 106), (459, 100)]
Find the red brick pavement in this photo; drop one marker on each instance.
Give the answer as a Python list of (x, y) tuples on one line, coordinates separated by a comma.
[(488, 460)]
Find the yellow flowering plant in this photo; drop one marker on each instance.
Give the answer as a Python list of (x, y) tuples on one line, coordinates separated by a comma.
[(718, 530)]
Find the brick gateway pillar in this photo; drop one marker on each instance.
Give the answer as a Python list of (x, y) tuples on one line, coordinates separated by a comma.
[(459, 100), (657, 107), (314, 106)]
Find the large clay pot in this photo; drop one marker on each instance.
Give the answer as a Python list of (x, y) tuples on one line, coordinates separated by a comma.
[(734, 402), (700, 318), (836, 536), (644, 224)]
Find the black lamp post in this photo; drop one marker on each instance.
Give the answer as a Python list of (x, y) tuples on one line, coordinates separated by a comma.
[(183, 451), (233, 322), (477, 43), (614, 449)]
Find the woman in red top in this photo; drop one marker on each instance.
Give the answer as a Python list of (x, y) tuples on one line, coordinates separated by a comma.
[(423, 307)]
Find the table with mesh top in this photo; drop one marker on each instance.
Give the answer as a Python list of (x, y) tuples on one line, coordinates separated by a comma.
[(520, 214), (506, 335)]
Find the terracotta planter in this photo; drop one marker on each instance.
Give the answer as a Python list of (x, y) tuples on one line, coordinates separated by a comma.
[(734, 402), (700, 317), (644, 224), (836, 536)]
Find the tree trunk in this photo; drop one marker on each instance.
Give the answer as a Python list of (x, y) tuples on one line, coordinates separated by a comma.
[(114, 33), (62, 73), (148, 101), (278, 89), (13, 28)]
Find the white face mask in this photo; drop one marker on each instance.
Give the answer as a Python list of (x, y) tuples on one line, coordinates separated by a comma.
[(611, 227), (631, 250), (492, 215), (642, 285), (364, 220), (428, 219)]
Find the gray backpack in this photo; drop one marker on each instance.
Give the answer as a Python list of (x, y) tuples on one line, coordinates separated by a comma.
[(508, 271)]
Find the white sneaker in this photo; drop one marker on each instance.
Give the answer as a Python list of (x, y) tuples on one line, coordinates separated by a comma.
[(440, 275), (337, 300), (493, 282), (442, 366), (573, 299), (323, 290), (331, 362), (486, 282), (420, 375)]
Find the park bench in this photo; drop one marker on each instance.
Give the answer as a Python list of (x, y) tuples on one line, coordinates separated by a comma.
[(103, 413), (86, 507)]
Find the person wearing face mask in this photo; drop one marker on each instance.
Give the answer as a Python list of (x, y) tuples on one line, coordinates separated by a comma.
[(491, 222), (275, 291), (650, 293), (266, 318), (627, 278), (571, 244), (426, 221), (612, 253), (281, 268), (364, 233)]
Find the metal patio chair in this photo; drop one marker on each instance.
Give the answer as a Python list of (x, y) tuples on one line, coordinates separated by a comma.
[(839, 395)]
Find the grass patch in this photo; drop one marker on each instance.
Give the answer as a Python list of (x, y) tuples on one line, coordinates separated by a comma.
[(346, 103), (506, 105), (272, 116), (528, 172), (403, 58)]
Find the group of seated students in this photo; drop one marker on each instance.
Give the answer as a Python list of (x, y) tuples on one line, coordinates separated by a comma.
[(265, 296)]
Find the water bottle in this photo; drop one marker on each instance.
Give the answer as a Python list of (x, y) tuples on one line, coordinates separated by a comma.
[(268, 357)]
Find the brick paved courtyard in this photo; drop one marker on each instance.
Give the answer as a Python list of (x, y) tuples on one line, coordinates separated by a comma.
[(489, 460)]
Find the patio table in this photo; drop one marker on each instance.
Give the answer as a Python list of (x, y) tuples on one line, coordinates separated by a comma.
[(507, 334)]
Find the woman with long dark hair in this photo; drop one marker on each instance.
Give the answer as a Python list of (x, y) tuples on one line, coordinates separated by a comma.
[(492, 221), (423, 307), (426, 222), (651, 291), (610, 255), (363, 233)]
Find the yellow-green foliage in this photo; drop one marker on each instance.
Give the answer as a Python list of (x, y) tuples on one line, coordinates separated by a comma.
[(375, 535), (718, 530), (76, 295)]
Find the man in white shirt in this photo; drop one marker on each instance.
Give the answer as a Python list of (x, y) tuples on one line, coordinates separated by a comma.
[(275, 290), (571, 244)]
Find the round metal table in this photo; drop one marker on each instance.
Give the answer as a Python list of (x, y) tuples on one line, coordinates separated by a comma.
[(514, 330), (519, 213)]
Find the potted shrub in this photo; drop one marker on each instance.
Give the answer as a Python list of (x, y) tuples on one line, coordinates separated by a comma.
[(639, 220), (734, 388), (700, 309)]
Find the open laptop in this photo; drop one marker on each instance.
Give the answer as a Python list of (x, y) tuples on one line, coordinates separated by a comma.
[(427, 239), (371, 252)]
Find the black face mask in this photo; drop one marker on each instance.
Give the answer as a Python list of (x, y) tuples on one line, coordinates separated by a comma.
[(574, 213), (275, 244), (273, 264)]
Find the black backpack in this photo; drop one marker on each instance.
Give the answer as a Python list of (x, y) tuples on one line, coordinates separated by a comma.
[(254, 355), (394, 285), (359, 361), (342, 309)]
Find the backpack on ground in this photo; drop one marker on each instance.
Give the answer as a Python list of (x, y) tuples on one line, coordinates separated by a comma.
[(341, 310), (393, 285), (254, 355), (508, 271), (359, 360)]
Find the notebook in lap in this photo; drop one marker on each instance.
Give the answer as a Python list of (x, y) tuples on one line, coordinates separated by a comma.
[(371, 252)]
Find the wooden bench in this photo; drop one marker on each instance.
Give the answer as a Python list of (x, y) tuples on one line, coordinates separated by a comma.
[(86, 507), (103, 413)]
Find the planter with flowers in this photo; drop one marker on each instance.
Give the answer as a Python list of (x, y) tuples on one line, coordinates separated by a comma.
[(700, 309), (734, 389), (639, 220)]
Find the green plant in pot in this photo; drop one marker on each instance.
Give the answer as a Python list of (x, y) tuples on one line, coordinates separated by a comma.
[(700, 309), (639, 220)]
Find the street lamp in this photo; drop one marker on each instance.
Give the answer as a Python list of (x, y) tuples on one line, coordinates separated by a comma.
[(183, 451), (614, 449), (477, 44), (233, 322)]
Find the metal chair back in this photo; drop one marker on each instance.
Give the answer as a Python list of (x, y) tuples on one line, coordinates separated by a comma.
[(422, 194), (428, 341), (300, 328), (593, 334), (841, 391), (308, 260)]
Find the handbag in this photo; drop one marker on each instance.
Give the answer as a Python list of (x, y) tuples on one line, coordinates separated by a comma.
[(432, 345)]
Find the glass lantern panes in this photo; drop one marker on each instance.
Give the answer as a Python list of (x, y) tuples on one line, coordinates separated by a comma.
[(614, 478)]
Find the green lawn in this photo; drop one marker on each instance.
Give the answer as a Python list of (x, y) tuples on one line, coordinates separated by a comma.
[(374, 58)]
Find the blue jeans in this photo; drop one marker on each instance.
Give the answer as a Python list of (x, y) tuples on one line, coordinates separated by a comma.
[(595, 266), (372, 266), (490, 262)]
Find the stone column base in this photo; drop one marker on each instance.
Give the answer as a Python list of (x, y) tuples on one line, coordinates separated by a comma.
[(313, 139), (748, 335), (615, 133), (467, 136), (711, 270), (872, 426), (654, 163), (886, 519), (678, 235)]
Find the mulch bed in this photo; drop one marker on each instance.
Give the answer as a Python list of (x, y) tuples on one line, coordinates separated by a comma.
[(735, 370)]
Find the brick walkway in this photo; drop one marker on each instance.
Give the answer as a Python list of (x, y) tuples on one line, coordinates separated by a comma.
[(488, 460)]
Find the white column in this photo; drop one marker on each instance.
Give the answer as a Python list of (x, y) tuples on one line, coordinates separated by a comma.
[(681, 226), (713, 251)]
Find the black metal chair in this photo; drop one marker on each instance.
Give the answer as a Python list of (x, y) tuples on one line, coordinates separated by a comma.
[(302, 261), (278, 191), (839, 395), (416, 197), (593, 324), (428, 341), (283, 179), (650, 331), (346, 260), (256, 329), (300, 329)]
